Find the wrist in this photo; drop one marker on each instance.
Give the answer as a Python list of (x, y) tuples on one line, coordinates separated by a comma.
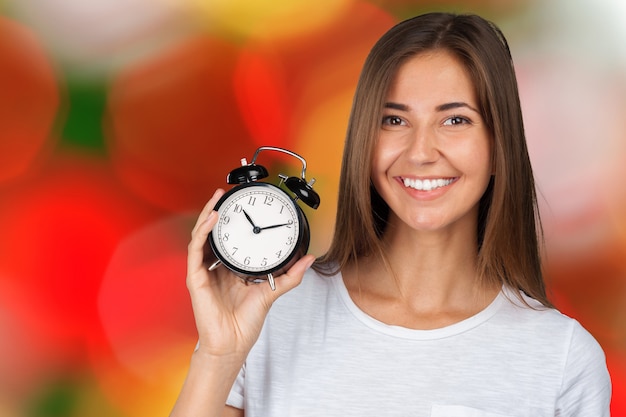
[(204, 358)]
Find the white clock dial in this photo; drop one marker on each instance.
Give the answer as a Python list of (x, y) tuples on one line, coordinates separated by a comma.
[(258, 229)]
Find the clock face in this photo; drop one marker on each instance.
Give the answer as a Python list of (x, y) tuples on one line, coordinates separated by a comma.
[(259, 229)]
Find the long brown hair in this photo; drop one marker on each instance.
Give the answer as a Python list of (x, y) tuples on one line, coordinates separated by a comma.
[(509, 228)]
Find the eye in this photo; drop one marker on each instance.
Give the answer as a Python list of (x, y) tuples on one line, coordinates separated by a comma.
[(393, 121), (456, 120)]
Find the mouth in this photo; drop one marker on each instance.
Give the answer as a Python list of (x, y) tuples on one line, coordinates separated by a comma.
[(428, 184)]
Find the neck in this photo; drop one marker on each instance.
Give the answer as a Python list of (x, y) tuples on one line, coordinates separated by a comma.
[(428, 279), (439, 261)]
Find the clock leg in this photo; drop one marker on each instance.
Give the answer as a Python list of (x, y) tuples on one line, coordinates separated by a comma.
[(214, 265), (270, 279)]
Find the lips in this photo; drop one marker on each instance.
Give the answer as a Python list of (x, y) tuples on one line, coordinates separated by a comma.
[(427, 184)]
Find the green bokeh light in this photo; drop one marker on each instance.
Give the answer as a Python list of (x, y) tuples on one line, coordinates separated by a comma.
[(85, 104)]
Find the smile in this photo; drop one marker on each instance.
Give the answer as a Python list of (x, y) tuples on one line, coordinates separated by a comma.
[(427, 185)]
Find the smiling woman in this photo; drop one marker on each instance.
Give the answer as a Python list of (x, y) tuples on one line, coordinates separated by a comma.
[(431, 293), (119, 117)]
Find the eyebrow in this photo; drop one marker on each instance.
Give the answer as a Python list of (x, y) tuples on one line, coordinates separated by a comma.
[(396, 106), (455, 105), (439, 108)]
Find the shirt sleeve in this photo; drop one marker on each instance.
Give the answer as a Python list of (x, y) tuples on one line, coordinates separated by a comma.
[(586, 387), (236, 396)]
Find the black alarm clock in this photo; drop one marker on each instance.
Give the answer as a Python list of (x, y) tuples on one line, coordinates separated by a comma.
[(261, 230)]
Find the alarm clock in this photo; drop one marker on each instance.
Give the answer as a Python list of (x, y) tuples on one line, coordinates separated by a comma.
[(261, 229)]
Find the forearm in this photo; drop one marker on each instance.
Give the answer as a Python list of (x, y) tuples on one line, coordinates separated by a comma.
[(206, 386)]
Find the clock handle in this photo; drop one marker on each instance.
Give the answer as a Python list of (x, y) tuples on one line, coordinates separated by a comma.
[(288, 152)]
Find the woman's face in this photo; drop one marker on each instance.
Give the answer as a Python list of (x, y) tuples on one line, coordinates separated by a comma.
[(432, 161)]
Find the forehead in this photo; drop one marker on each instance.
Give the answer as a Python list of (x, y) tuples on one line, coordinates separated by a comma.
[(435, 75)]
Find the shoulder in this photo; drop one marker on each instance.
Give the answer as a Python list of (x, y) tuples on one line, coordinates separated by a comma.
[(560, 339), (586, 360), (529, 312), (312, 296), (586, 387), (548, 332), (314, 285), (301, 317)]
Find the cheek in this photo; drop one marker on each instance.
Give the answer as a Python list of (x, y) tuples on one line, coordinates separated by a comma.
[(379, 165), (489, 159), (384, 156), (485, 171), (382, 162), (478, 158)]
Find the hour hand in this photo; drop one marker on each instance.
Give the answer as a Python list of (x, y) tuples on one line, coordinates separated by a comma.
[(255, 229), (249, 218)]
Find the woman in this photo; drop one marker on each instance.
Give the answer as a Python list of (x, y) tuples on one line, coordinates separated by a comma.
[(430, 300)]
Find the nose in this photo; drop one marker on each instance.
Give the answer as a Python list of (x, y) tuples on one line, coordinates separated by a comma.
[(422, 147)]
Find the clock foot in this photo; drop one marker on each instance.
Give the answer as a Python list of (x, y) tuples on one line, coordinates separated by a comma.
[(270, 279), (214, 265)]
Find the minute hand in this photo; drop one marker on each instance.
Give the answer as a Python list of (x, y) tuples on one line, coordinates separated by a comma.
[(276, 225)]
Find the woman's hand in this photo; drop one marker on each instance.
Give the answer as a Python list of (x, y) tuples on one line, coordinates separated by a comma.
[(229, 314)]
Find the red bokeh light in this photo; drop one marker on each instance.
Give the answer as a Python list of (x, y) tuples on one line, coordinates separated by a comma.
[(59, 231), (146, 317), (175, 130), (143, 302), (30, 99), (279, 83)]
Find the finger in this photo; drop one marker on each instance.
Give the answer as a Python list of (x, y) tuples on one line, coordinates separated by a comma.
[(205, 223), (195, 255), (207, 209)]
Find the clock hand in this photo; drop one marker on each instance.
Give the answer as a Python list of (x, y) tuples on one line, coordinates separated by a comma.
[(275, 225), (256, 229)]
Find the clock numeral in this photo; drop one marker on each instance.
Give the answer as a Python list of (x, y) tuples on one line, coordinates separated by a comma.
[(226, 219), (264, 262), (246, 261), (280, 252), (268, 200), (289, 223), (289, 241), (252, 200), (225, 237), (238, 208), (281, 209), (235, 249)]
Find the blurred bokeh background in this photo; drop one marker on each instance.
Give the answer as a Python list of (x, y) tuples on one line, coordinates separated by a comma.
[(119, 118)]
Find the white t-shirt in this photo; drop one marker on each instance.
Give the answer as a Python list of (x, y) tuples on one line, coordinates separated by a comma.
[(320, 355)]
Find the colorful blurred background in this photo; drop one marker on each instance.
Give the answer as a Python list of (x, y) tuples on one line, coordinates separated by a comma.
[(119, 118)]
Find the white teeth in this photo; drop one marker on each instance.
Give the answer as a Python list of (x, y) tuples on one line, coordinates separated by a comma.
[(426, 185)]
